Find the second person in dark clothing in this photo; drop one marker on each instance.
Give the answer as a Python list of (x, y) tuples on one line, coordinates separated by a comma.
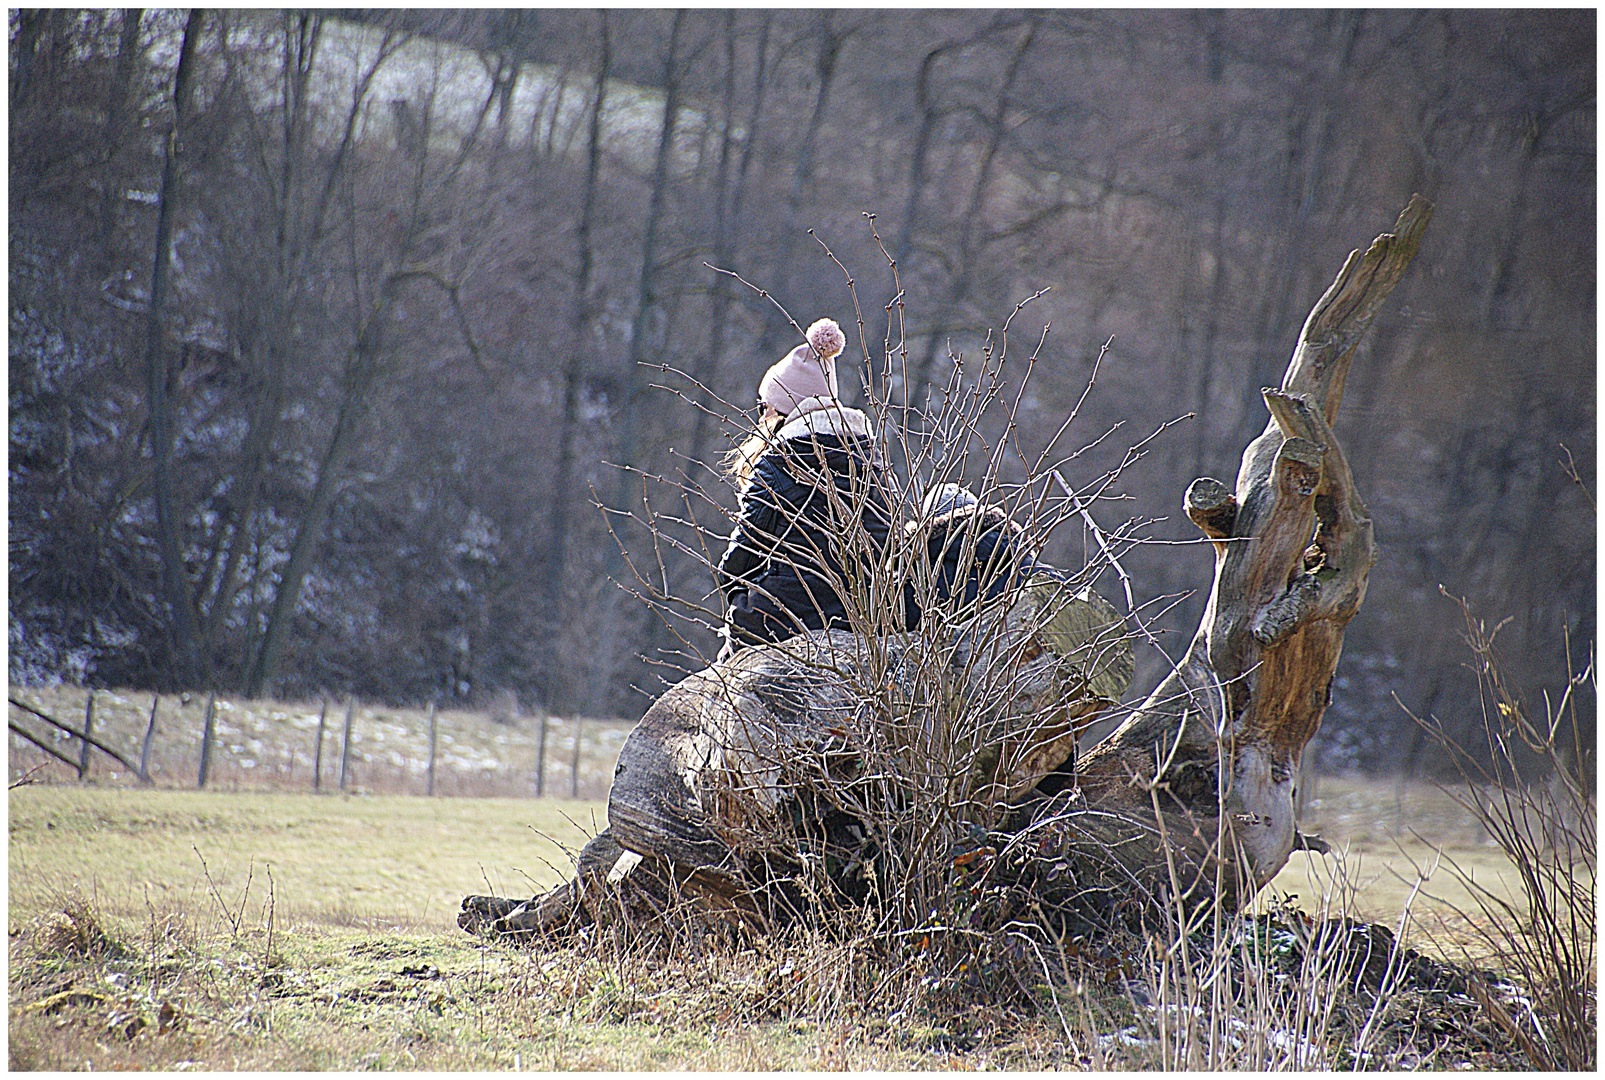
[(813, 519), (975, 552)]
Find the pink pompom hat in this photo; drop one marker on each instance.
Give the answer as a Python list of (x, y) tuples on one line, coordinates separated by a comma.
[(807, 371)]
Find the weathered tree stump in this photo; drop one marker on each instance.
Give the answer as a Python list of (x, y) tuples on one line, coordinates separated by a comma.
[(837, 768), (1217, 745)]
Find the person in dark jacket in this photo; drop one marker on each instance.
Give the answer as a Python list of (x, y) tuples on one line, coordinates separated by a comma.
[(813, 520), (975, 552)]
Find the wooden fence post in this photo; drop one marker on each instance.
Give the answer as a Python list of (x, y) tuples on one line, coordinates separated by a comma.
[(540, 758), (574, 776), (150, 739), (429, 788), (317, 751), (89, 723), (345, 745), (206, 739)]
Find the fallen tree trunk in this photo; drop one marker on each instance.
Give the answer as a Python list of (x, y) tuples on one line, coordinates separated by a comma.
[(838, 767), (883, 771)]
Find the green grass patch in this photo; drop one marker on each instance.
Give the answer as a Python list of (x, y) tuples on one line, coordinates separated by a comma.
[(333, 860)]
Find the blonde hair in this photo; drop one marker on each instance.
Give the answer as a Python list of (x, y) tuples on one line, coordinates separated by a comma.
[(741, 460)]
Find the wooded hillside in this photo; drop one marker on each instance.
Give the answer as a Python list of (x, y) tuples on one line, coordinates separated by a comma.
[(423, 289)]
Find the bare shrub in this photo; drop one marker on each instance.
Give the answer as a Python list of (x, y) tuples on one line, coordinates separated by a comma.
[(1530, 789), (855, 764)]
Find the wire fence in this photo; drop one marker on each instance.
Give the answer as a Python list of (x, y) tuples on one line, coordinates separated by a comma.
[(121, 737)]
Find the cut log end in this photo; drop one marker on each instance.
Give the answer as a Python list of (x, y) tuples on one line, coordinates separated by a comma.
[(1295, 416), (1303, 452)]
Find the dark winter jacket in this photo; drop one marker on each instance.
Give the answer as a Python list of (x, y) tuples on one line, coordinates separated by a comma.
[(790, 544), (997, 561)]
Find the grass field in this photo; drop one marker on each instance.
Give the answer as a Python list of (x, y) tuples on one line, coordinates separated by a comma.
[(269, 930), (320, 934), (1391, 835), (256, 925), (1396, 846), (338, 860)]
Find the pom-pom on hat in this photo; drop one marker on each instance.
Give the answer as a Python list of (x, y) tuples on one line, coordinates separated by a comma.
[(807, 371)]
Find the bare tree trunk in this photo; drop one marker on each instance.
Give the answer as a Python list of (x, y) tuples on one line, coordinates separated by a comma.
[(263, 337), (931, 114), (729, 195), (30, 27), (970, 250), (361, 370), (186, 667), (1309, 140), (776, 329), (117, 103), (562, 480), (302, 181), (647, 300), (730, 191), (629, 422)]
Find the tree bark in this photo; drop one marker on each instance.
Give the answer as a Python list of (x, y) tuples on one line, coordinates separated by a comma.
[(809, 753), (187, 660), (557, 538)]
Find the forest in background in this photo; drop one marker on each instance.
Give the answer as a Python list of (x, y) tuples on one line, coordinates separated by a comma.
[(327, 332)]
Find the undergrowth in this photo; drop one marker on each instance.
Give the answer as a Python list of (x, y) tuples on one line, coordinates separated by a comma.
[(1530, 787)]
